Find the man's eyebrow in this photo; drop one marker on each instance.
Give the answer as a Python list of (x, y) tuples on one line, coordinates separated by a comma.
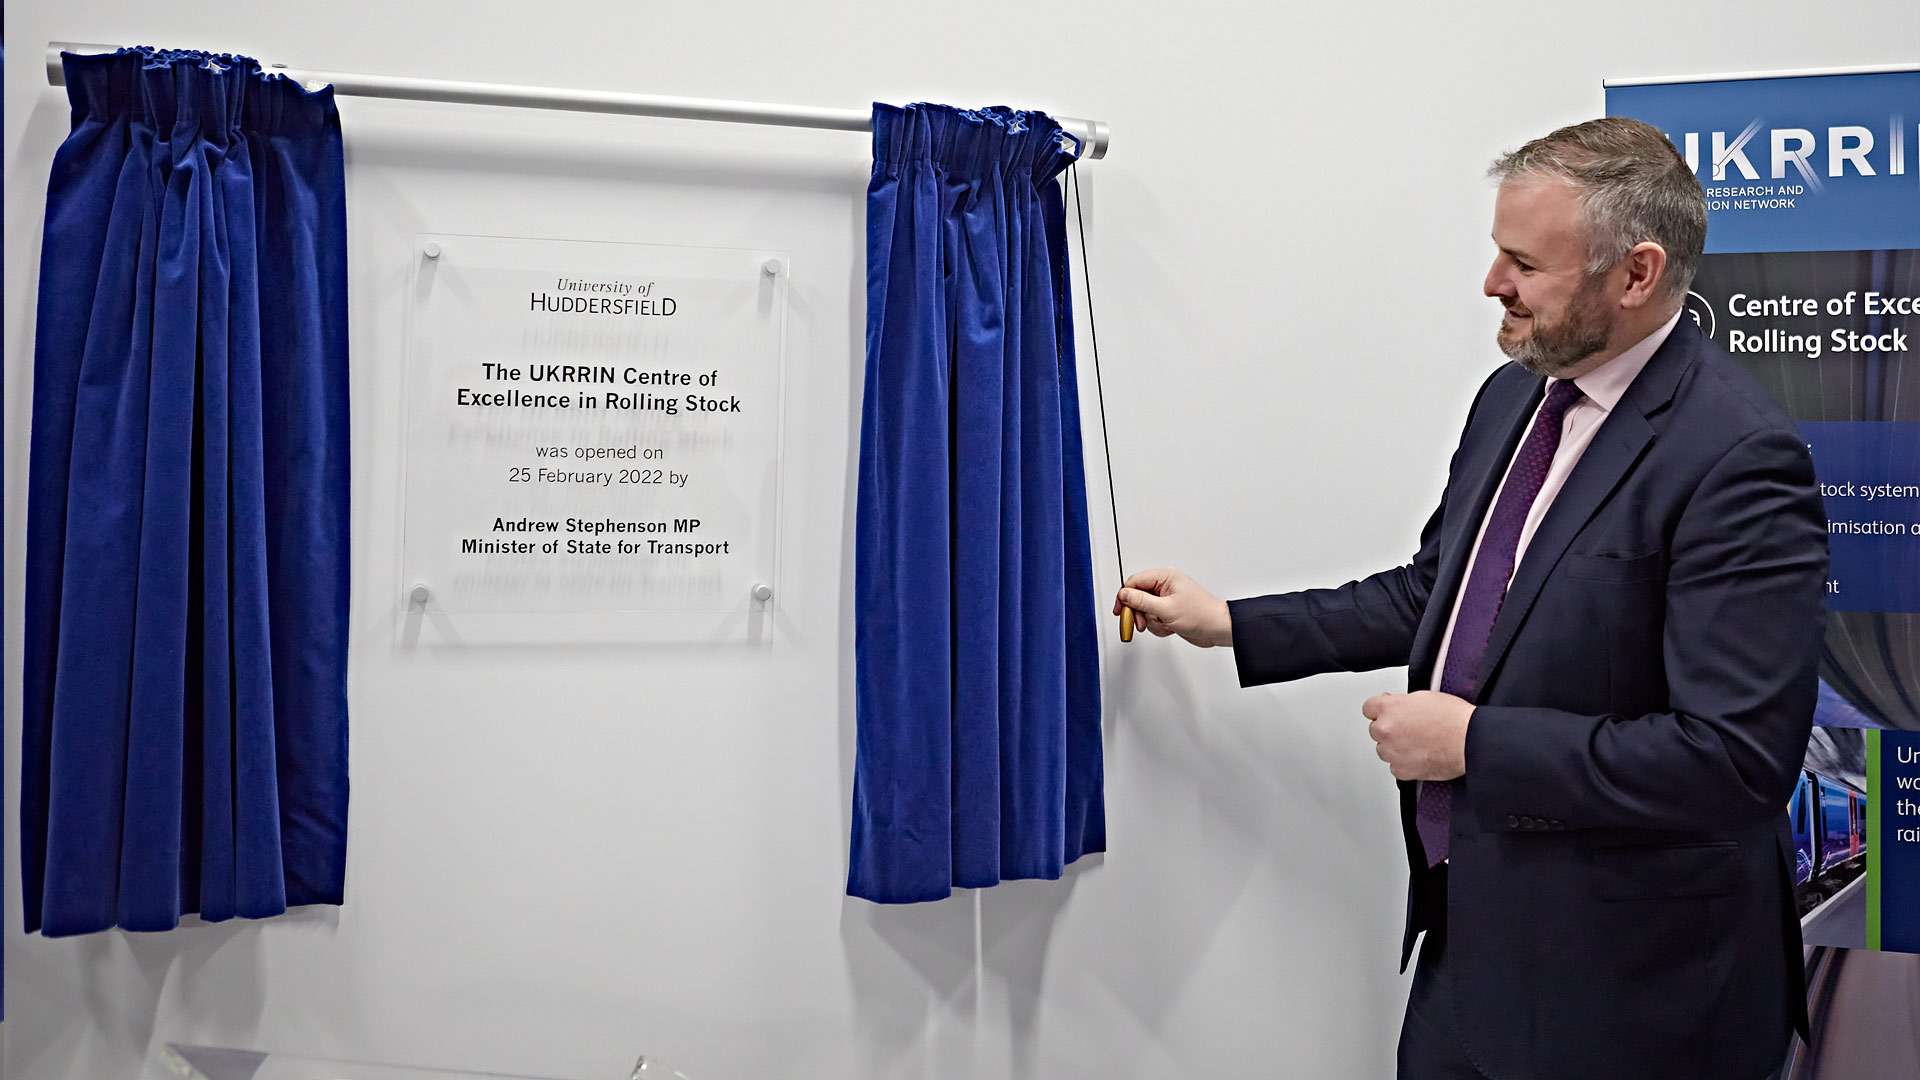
[(1516, 253)]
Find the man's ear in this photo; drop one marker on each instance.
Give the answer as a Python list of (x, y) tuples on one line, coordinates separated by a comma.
[(1645, 266)]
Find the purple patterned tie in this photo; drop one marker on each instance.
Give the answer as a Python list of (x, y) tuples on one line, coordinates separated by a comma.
[(1486, 588)]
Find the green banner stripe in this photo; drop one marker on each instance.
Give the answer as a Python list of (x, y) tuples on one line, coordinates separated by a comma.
[(1875, 822)]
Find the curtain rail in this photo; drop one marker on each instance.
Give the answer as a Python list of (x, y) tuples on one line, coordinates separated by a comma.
[(1094, 133)]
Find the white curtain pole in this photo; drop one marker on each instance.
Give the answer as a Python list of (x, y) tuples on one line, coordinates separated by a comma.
[(1092, 132)]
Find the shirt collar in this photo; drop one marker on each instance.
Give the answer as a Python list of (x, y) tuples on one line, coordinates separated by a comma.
[(1606, 384)]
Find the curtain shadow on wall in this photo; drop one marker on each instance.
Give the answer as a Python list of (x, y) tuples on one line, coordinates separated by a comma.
[(961, 956)]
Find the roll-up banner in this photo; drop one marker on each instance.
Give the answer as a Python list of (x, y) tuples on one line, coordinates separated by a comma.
[(1811, 280)]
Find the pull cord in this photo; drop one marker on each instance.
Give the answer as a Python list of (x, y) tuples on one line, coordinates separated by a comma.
[(1106, 442)]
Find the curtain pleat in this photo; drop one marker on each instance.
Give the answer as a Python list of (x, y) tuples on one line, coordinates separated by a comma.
[(184, 689), (977, 677)]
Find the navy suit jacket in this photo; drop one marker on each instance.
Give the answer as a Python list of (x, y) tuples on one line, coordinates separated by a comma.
[(1619, 898)]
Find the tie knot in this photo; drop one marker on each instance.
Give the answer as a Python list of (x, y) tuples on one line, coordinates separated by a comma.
[(1560, 397)]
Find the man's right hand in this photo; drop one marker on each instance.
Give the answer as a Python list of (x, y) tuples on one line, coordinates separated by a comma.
[(1166, 601)]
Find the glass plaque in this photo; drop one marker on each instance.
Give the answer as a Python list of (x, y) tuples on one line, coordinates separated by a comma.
[(593, 439)]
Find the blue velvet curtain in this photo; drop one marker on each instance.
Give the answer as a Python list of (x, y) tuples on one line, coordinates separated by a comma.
[(977, 673), (184, 691)]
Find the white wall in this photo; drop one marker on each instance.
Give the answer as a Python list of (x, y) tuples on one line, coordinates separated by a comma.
[(562, 857)]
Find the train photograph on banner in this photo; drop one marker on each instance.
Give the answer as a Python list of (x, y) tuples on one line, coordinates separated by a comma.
[(1829, 818), (1829, 815)]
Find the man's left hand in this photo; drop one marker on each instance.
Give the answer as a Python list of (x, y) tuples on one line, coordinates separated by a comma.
[(1422, 735)]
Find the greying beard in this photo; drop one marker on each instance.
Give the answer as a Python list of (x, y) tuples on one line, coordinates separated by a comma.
[(1563, 346)]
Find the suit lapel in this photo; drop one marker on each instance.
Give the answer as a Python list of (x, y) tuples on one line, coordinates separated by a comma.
[(1482, 467), (1618, 445)]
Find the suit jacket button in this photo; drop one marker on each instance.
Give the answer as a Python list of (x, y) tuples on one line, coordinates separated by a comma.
[(1556, 825), (1512, 822)]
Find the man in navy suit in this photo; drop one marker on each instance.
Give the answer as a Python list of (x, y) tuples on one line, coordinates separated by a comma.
[(1611, 628)]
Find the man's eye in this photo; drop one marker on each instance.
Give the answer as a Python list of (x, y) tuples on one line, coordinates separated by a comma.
[(1524, 268)]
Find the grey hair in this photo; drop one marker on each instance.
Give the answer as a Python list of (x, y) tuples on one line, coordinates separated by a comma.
[(1634, 187)]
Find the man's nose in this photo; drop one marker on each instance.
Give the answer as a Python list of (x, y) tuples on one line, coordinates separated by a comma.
[(1498, 283)]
